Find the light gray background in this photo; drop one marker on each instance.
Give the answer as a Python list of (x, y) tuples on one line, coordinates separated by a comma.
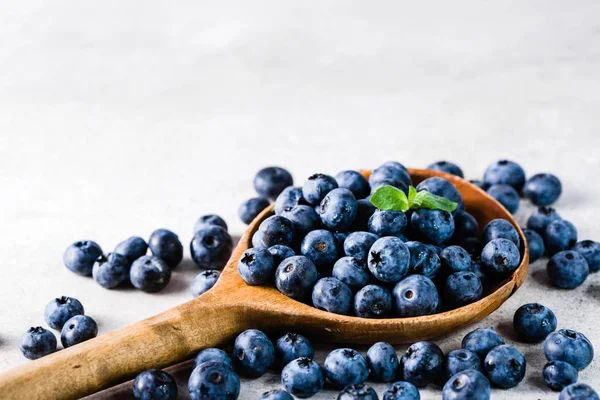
[(120, 117)]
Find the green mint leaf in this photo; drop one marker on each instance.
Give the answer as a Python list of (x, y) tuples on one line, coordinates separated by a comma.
[(424, 199), (389, 198), (412, 193)]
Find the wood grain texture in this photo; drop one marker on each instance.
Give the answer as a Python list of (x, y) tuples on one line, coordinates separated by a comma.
[(216, 317)]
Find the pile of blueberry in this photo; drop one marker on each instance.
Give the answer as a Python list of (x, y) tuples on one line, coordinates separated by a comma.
[(65, 314)]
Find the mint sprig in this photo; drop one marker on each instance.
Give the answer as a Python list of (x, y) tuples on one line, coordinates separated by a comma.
[(391, 198)]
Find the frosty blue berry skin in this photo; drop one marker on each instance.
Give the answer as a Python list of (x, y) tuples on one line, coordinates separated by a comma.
[(81, 255), (382, 361), (332, 295), (432, 226), (567, 270), (578, 391), (461, 360), (37, 342), (569, 346), (276, 394), (387, 223), (213, 380), (373, 301), (250, 209), (321, 247), (505, 195), (465, 226), (269, 182), (364, 212), (149, 274), (338, 209), (256, 266), (280, 253), (543, 189), (355, 182), (358, 391), (345, 367), (253, 353), (302, 377), (204, 281), (61, 309), (414, 296), (291, 346), (352, 271), (316, 188), (423, 260), (541, 218), (467, 385), (505, 172), (290, 196), (296, 276), (132, 248), (500, 229), (560, 235), (446, 166), (165, 245), (500, 257), (462, 288), (358, 244), (276, 230), (209, 219), (390, 173), (533, 322), (112, 270), (77, 330), (401, 390), (558, 374), (442, 187), (590, 250), (481, 341), (422, 364), (455, 259), (212, 354), (304, 218), (536, 244), (154, 384), (505, 366), (389, 259)]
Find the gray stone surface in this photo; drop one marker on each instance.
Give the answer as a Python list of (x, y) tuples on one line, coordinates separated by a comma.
[(119, 117)]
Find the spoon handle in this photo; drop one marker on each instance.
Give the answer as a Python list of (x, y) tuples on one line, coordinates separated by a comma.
[(156, 342)]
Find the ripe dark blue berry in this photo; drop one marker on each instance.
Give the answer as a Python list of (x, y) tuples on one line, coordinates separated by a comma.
[(423, 260), (481, 341), (280, 253), (505, 366), (296, 276), (423, 364), (355, 182), (541, 218), (209, 219), (560, 235), (467, 385), (590, 250), (269, 182), (80, 257), (569, 346), (250, 209), (359, 391), (321, 247), (212, 354), (77, 330), (316, 188), (150, 274), (165, 245), (204, 281), (351, 271), (506, 195), (302, 377), (455, 259), (432, 226), (578, 391), (500, 229), (414, 296), (358, 244), (446, 166), (559, 374), (536, 244), (461, 360), (382, 361), (387, 223), (276, 394), (500, 257), (132, 248), (112, 270), (290, 197), (303, 217), (567, 269), (211, 247), (213, 380), (505, 172), (345, 367), (338, 209), (332, 295), (442, 187), (373, 301), (389, 259), (256, 266), (291, 346), (37, 342), (154, 384), (462, 288), (253, 353), (276, 230), (401, 391), (61, 309), (533, 322), (542, 189)]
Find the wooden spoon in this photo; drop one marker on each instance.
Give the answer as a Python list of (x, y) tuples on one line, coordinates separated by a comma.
[(216, 317)]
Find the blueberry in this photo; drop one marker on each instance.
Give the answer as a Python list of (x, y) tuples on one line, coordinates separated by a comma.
[(302, 377), (569, 346), (37, 342), (321, 247), (578, 391), (332, 295), (436, 249), (290, 197), (465, 225), (461, 360), (481, 341), (204, 281), (382, 361), (462, 288), (256, 266), (590, 250), (358, 244), (442, 187), (78, 329), (372, 301), (394, 173), (477, 269), (500, 257), (250, 209), (455, 259), (560, 235), (296, 276), (276, 230), (480, 184), (209, 219), (505, 172), (358, 391), (280, 253), (338, 209), (112, 270), (433, 226), (365, 209), (253, 353), (533, 322), (467, 385), (505, 195), (132, 248), (423, 260), (211, 247), (415, 296), (276, 394), (291, 346), (423, 364), (401, 391), (213, 380), (388, 223), (345, 367), (447, 167), (212, 354), (541, 218), (154, 384), (150, 274), (351, 271), (59, 310), (543, 189), (501, 229), (316, 188), (504, 366), (389, 182), (567, 269), (257, 241), (269, 182), (304, 218), (536, 244), (389, 259), (559, 374), (80, 257), (165, 245), (355, 182)]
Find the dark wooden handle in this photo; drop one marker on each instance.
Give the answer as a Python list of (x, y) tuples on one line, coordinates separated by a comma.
[(159, 341)]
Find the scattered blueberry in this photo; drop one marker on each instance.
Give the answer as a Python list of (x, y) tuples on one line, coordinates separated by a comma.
[(80, 256), (213, 380), (256, 266), (150, 274), (541, 218), (269, 182), (578, 391), (253, 353), (355, 182), (423, 364), (302, 377), (209, 219), (389, 259), (461, 360), (533, 322), (212, 354), (560, 235), (276, 230), (338, 209), (569, 346), (401, 391), (303, 217), (165, 245), (351, 271), (291, 346), (415, 296), (61, 309), (250, 209), (211, 247), (204, 281), (321, 247), (373, 301), (506, 195), (37, 342), (455, 259), (132, 248), (462, 288), (433, 226), (442, 187), (542, 189), (590, 250), (505, 366), (332, 295), (387, 223), (500, 257), (296, 276), (559, 374), (112, 270), (316, 188), (536, 244), (277, 394), (358, 244), (290, 197), (345, 367), (154, 384), (358, 391), (501, 229), (567, 269), (505, 172), (467, 385), (78, 329), (448, 167), (481, 341), (480, 184), (423, 260), (382, 361)]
